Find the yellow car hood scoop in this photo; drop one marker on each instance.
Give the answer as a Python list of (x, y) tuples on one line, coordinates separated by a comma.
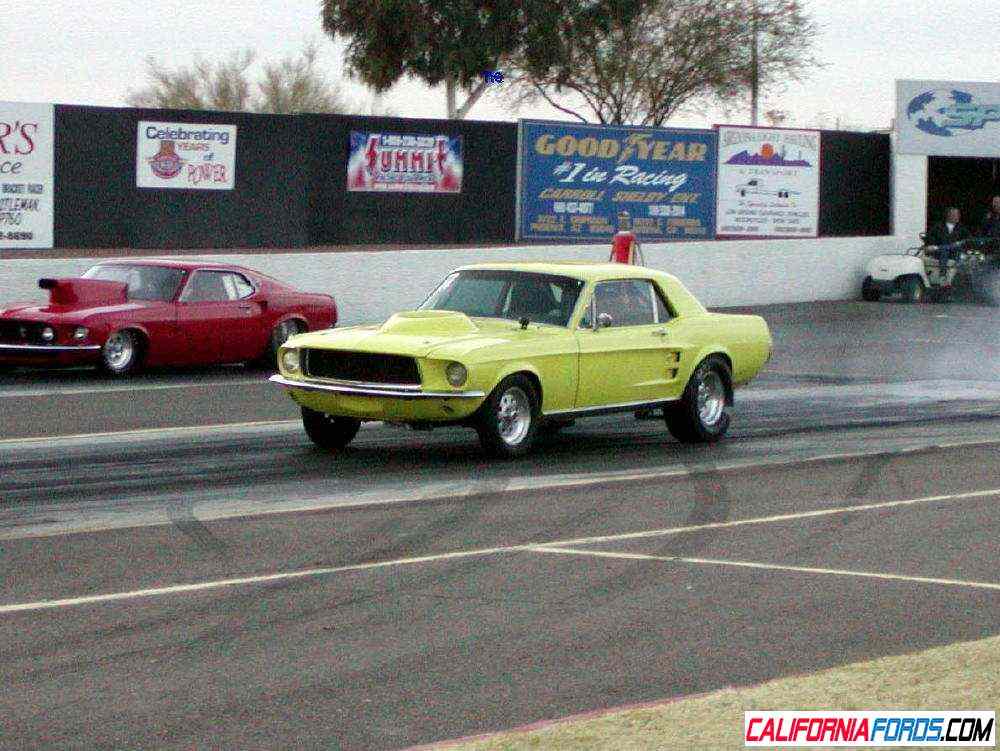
[(445, 323)]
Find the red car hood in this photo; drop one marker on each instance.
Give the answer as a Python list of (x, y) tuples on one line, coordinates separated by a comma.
[(77, 298)]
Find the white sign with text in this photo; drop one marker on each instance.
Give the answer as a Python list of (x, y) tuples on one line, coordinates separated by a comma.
[(768, 182), (27, 154), (189, 156)]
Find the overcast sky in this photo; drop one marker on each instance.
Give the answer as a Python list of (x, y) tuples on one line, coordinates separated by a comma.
[(70, 52)]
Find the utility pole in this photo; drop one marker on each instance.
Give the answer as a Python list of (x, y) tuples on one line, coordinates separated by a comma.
[(754, 65)]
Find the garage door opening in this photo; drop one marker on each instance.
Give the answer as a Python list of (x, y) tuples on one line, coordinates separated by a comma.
[(967, 183)]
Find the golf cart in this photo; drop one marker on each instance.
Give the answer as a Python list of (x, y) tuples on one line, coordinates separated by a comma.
[(933, 271)]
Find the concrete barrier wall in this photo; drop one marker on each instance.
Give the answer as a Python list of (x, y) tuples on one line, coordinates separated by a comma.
[(371, 285)]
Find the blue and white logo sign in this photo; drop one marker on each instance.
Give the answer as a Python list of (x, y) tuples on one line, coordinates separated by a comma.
[(942, 112), (948, 118)]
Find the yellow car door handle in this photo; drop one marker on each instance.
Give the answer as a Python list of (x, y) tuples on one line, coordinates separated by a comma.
[(661, 332)]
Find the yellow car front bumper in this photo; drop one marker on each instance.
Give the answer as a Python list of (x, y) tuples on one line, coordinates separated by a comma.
[(375, 401)]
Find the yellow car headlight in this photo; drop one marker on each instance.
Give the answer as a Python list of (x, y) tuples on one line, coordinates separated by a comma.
[(456, 373), (290, 360)]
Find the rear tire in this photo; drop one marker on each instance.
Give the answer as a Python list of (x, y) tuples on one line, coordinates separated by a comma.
[(870, 291), (121, 354), (704, 412), (327, 431), (508, 420), (279, 335), (912, 290)]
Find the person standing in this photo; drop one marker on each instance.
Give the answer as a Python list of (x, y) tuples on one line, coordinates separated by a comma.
[(945, 234), (991, 222)]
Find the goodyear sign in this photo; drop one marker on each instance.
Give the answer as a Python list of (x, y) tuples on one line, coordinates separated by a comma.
[(586, 182)]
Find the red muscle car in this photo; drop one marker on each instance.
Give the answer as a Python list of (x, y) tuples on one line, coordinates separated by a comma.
[(123, 315)]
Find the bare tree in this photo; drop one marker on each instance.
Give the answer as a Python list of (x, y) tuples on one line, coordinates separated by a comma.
[(679, 54), (293, 84)]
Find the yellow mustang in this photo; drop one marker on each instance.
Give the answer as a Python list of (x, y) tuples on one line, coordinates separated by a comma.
[(516, 348)]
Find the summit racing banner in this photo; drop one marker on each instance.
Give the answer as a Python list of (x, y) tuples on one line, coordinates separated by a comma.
[(405, 162), (886, 728), (581, 182), (191, 156), (768, 182), (27, 155)]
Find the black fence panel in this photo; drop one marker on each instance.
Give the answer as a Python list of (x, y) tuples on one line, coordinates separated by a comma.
[(482, 212), (291, 185), (855, 184), (99, 205)]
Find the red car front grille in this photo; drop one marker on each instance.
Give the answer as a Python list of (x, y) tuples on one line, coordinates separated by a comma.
[(21, 332)]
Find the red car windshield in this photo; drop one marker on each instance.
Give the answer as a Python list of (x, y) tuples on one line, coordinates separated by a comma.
[(144, 282)]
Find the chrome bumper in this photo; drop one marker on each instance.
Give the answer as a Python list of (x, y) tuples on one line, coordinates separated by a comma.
[(49, 347), (374, 389)]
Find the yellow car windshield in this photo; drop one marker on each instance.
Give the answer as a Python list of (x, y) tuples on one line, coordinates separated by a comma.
[(541, 298)]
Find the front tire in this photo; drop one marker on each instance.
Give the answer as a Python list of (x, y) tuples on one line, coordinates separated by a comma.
[(870, 291), (327, 431), (121, 353), (508, 420), (704, 412), (912, 289)]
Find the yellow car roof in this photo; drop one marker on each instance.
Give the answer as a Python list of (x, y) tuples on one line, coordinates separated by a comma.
[(586, 270)]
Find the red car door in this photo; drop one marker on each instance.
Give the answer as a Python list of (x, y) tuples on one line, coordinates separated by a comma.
[(219, 326)]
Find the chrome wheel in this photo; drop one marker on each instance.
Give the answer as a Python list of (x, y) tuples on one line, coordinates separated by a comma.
[(119, 351), (711, 398), (513, 416)]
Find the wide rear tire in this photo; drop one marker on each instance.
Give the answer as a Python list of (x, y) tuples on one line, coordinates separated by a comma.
[(327, 431), (279, 335), (508, 420), (704, 411)]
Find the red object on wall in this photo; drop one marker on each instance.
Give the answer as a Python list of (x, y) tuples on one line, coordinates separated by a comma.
[(625, 249)]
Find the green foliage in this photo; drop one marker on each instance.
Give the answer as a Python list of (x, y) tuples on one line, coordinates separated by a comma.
[(454, 41)]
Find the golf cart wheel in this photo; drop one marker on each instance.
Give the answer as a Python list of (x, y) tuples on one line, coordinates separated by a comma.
[(912, 289), (870, 291)]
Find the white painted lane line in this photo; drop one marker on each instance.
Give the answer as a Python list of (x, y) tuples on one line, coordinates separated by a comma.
[(242, 581), (995, 586), (147, 432), (56, 390), (976, 494), (554, 546)]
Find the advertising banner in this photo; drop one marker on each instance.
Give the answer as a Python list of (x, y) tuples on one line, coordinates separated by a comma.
[(405, 162), (768, 182), (948, 118), (188, 156), (586, 182), (27, 154)]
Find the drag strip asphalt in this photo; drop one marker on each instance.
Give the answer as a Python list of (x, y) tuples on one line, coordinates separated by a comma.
[(387, 626), (182, 568)]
